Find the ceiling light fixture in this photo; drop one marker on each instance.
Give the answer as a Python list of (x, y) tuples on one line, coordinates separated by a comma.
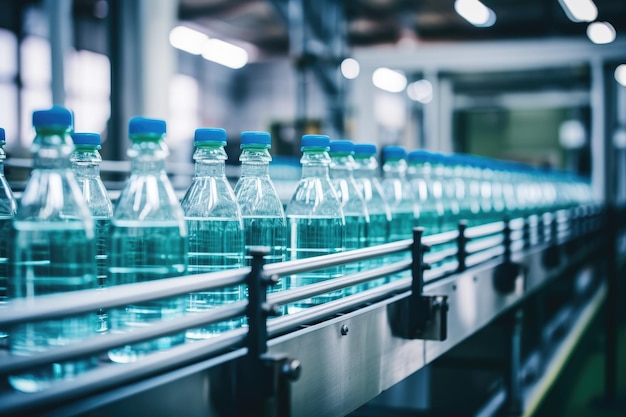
[(389, 80), (187, 39), (350, 68), (580, 10), (421, 91), (601, 32), (475, 12), (224, 53), (211, 49), (620, 74)]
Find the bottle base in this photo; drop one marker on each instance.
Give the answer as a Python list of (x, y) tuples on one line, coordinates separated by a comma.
[(42, 378), (132, 353)]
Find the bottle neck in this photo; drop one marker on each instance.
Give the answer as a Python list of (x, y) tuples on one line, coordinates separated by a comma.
[(210, 160), (3, 156), (51, 149), (395, 168), (147, 154), (341, 166), (315, 163), (365, 167), (86, 162), (255, 162), (419, 170)]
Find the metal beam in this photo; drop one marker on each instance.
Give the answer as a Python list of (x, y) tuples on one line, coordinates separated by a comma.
[(60, 32)]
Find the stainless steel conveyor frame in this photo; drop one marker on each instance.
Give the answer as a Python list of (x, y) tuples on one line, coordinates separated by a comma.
[(324, 361)]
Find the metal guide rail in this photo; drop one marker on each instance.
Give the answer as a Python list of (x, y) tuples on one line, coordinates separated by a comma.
[(325, 360)]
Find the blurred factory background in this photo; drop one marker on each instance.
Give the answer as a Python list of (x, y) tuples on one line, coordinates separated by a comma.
[(524, 80)]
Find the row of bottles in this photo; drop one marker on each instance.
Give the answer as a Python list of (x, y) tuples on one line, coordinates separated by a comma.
[(66, 234)]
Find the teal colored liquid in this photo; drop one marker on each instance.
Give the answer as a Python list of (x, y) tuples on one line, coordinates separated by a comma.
[(270, 232), (266, 231), (448, 223), (103, 225), (356, 238), (401, 228), (143, 251), (215, 244), (51, 258), (377, 234), (430, 220), (309, 236), (6, 242)]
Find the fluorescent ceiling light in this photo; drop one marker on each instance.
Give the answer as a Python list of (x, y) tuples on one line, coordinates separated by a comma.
[(187, 39), (620, 74), (421, 91), (475, 12), (212, 49), (389, 80), (580, 10), (350, 68), (601, 32), (225, 53)]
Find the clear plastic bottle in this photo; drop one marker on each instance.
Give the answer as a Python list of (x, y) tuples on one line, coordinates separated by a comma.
[(453, 191), (8, 206), (315, 220), (404, 208), (86, 167), (366, 176), (427, 188), (485, 177), (262, 211), (471, 207), (148, 238), (397, 189), (216, 238), (354, 209), (54, 251)]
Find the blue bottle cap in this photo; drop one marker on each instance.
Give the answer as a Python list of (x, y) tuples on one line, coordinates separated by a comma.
[(2, 135), (91, 139), (56, 116), (341, 146), (143, 125), (210, 135), (365, 149), (420, 155), (256, 138), (318, 141), (394, 152)]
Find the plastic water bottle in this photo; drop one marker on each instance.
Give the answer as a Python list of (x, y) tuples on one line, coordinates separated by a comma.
[(366, 175), (354, 209), (262, 211), (498, 204), (485, 177), (470, 209), (404, 210), (508, 180), (148, 238), (397, 189), (315, 220), (86, 166), (216, 239), (427, 188), (54, 251), (8, 206), (453, 191)]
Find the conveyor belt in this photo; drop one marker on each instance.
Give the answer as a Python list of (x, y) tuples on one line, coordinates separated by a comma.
[(344, 352)]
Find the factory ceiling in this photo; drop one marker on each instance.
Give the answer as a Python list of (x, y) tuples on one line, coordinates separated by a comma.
[(376, 22)]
